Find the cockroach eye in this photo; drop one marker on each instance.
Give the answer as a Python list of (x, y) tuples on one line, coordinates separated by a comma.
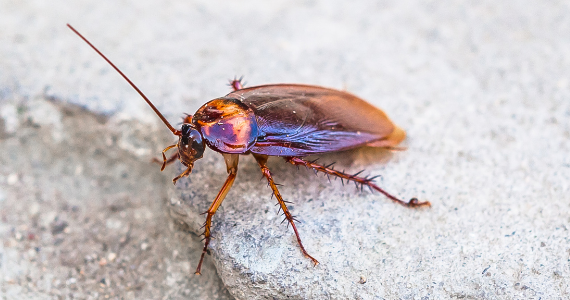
[(197, 143), (185, 129), (187, 134)]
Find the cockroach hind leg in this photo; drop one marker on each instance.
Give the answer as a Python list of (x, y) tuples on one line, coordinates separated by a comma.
[(187, 119), (237, 83), (414, 202)]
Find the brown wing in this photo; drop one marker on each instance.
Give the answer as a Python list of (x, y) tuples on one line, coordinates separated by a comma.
[(299, 120)]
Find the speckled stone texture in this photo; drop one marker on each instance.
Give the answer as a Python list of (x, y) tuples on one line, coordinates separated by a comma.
[(482, 89)]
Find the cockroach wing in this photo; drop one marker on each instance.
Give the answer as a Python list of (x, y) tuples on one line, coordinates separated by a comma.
[(299, 120)]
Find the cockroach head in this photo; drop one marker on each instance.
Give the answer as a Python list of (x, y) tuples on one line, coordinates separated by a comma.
[(190, 145)]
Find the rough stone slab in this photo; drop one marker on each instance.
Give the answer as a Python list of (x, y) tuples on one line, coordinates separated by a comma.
[(484, 96), (83, 215), (481, 88)]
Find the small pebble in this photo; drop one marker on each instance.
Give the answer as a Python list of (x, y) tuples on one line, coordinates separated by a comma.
[(111, 256), (102, 262), (144, 246), (71, 281)]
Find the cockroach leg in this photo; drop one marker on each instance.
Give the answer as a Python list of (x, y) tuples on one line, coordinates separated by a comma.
[(170, 160), (231, 164), (237, 83), (359, 180), (165, 162), (183, 174), (187, 119), (262, 161)]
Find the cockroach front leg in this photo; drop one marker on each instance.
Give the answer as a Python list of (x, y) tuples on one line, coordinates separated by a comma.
[(360, 180), (262, 161), (231, 164), (166, 161)]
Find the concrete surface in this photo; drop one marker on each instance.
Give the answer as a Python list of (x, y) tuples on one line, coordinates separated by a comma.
[(482, 89)]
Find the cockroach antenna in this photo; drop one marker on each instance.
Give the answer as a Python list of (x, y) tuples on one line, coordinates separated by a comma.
[(174, 131)]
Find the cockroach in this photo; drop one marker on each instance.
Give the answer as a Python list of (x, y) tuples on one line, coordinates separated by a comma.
[(290, 121)]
